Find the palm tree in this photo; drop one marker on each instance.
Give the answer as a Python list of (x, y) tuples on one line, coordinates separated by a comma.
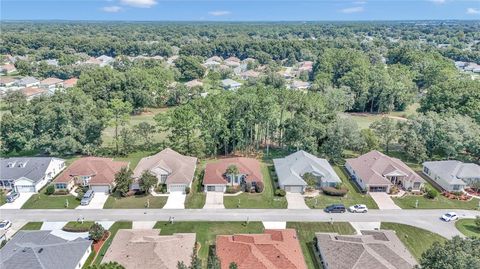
[(233, 171)]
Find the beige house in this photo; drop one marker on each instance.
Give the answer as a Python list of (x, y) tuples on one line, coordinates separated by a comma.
[(140, 249)]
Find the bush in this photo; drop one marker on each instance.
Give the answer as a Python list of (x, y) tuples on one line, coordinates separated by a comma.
[(259, 187), (50, 190), (334, 191), (432, 193), (280, 192), (96, 232), (248, 187), (187, 190), (60, 192), (232, 189)]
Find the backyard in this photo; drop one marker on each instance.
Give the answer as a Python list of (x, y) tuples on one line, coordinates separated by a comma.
[(416, 240), (354, 196), (43, 201), (115, 201), (468, 227), (306, 234), (206, 232)]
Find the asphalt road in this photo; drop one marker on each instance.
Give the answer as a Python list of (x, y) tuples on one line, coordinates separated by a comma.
[(426, 219)]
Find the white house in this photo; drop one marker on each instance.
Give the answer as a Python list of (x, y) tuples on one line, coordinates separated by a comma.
[(29, 174), (452, 175)]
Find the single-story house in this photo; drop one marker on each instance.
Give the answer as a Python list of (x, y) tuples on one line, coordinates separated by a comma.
[(95, 172), (8, 68), (217, 179), (170, 167), (138, 249), (42, 249), (27, 82), (230, 84), (377, 172), (274, 249), (380, 249), (250, 74), (32, 92), (7, 81), (452, 175), (70, 82), (51, 84), (29, 174), (290, 171)]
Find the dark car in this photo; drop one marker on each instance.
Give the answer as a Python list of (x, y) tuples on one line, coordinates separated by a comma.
[(12, 197), (335, 209)]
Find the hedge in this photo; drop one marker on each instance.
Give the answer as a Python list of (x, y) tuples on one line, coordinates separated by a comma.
[(334, 191)]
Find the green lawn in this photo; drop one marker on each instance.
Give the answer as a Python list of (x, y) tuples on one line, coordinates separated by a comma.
[(113, 231), (416, 240), (43, 201), (31, 226), (207, 231), (3, 196), (364, 120), (147, 116), (78, 225), (468, 227), (266, 199), (136, 201), (196, 197), (354, 196), (440, 202), (306, 234)]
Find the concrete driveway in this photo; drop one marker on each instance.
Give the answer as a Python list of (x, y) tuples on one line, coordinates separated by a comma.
[(17, 225), (17, 204), (97, 202), (214, 200), (176, 200), (383, 200), (296, 201)]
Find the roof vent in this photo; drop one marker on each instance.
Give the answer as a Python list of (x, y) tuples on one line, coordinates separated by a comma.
[(40, 250), (11, 164)]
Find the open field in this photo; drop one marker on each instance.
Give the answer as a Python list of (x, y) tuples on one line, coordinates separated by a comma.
[(364, 120)]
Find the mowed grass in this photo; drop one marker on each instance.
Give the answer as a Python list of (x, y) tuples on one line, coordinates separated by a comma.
[(78, 225), (468, 227), (43, 201), (416, 240), (440, 202), (207, 232), (114, 201), (265, 199), (364, 120), (354, 196), (148, 116), (306, 234), (32, 226), (196, 198), (113, 231)]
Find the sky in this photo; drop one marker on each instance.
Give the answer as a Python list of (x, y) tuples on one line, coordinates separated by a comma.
[(239, 10)]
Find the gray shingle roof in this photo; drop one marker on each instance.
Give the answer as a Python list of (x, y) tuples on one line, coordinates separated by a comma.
[(33, 168), (42, 250), (27, 80), (453, 171), (291, 168)]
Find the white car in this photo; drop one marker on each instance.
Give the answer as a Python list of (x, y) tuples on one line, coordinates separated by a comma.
[(358, 208), (5, 224), (449, 216)]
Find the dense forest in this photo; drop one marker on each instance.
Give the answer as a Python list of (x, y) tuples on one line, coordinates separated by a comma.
[(357, 67)]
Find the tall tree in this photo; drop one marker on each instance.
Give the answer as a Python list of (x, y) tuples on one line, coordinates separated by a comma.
[(455, 253), (386, 129), (123, 180), (120, 113)]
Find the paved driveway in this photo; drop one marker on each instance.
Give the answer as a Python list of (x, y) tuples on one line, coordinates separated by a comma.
[(97, 202), (383, 200), (17, 225), (17, 204), (176, 200), (296, 201), (214, 200)]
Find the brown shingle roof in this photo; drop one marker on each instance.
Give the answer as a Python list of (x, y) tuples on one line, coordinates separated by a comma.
[(70, 82), (51, 81), (32, 91), (215, 172), (271, 250), (102, 170), (373, 166)]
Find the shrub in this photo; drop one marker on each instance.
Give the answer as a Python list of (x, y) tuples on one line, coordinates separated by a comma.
[(50, 190), (432, 193), (339, 186), (259, 187), (280, 192), (334, 191), (248, 187), (60, 192), (232, 189), (187, 190), (96, 232)]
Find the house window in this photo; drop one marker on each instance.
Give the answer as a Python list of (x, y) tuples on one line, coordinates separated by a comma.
[(163, 178), (456, 187), (236, 179), (60, 186)]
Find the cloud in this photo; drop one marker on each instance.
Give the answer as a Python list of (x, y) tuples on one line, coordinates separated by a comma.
[(473, 11), (351, 10), (219, 13), (139, 3), (112, 9), (438, 1)]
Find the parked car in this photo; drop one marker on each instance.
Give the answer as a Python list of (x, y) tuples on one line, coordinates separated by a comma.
[(338, 208), (359, 208), (11, 197), (5, 225), (449, 217), (87, 197)]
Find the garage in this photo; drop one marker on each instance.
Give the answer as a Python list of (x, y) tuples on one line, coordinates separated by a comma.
[(25, 188), (176, 187), (295, 189), (100, 188), (218, 188), (377, 189)]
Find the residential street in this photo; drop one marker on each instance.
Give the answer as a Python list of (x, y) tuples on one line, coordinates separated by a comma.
[(427, 219)]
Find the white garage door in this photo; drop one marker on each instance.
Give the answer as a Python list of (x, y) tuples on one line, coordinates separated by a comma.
[(104, 189), (296, 189), (25, 188), (215, 188), (176, 187)]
